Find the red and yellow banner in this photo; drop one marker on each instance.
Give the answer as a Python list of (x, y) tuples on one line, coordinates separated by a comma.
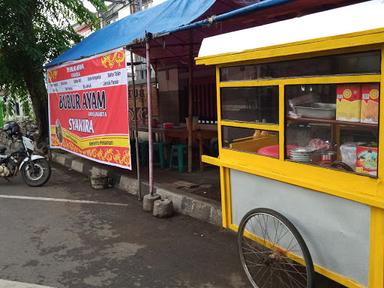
[(88, 108)]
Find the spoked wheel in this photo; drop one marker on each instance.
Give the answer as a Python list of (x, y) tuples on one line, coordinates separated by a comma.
[(272, 251), (36, 173)]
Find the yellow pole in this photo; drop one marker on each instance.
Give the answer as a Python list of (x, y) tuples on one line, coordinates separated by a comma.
[(376, 251)]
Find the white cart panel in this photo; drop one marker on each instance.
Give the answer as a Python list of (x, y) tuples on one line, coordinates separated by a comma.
[(335, 230)]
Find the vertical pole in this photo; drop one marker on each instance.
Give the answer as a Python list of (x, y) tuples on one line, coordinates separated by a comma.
[(136, 128), (157, 87), (149, 100), (190, 102)]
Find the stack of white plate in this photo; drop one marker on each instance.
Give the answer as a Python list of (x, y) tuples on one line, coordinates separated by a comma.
[(301, 154)]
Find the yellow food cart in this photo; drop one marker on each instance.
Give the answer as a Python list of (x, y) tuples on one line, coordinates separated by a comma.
[(301, 147)]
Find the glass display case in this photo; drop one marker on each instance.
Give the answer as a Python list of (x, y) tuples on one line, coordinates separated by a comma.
[(250, 104), (299, 133), (321, 111), (256, 141), (333, 125)]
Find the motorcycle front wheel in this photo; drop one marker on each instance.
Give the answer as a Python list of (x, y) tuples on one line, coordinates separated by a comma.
[(36, 173)]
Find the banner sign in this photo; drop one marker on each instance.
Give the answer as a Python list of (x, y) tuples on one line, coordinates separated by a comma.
[(88, 108)]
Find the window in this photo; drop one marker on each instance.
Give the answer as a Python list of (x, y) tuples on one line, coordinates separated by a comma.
[(330, 113), (333, 125), (250, 104), (256, 141), (346, 64), (143, 74), (258, 109)]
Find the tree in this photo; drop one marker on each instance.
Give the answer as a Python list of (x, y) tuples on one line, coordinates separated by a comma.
[(32, 32), (16, 96)]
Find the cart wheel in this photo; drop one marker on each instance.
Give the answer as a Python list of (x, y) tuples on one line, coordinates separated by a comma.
[(272, 251)]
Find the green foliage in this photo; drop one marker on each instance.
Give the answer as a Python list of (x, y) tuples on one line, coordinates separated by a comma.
[(13, 95), (32, 32), (41, 29)]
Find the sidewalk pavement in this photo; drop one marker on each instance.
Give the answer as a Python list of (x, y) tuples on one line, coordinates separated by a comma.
[(184, 203), (67, 235), (205, 257)]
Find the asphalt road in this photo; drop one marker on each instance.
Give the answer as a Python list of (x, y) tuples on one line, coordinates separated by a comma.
[(66, 234)]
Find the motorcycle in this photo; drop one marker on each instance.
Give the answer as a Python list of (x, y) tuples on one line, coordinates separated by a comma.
[(35, 169)]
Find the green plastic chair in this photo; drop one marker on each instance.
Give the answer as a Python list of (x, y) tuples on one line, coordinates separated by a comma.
[(160, 150), (143, 152), (178, 153)]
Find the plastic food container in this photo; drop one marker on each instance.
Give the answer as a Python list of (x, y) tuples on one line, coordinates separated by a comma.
[(348, 154), (366, 160), (273, 150), (317, 110), (324, 157), (370, 103), (348, 102), (168, 125)]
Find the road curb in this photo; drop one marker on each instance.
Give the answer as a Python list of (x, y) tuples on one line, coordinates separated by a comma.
[(183, 202)]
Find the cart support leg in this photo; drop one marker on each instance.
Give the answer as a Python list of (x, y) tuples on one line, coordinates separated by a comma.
[(225, 197), (376, 261)]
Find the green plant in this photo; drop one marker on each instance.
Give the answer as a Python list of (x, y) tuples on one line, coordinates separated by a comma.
[(31, 33)]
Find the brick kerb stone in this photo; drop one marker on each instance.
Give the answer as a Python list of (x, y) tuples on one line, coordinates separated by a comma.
[(191, 205)]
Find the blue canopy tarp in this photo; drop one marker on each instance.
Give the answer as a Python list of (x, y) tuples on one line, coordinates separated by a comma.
[(161, 18), (175, 15)]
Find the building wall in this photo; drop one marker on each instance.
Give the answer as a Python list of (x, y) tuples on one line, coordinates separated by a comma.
[(141, 104), (169, 96), (18, 111), (115, 12)]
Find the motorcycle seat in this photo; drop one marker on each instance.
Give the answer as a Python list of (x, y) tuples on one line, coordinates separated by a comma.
[(2, 149)]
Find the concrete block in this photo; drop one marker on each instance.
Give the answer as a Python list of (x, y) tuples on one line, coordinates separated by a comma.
[(128, 184), (215, 216), (145, 188), (163, 208), (68, 160), (149, 200), (196, 209), (183, 203), (99, 182), (87, 167), (99, 171), (77, 165), (177, 199), (59, 159), (62, 159)]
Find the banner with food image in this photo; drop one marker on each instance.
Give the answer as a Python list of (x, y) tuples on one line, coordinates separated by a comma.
[(88, 108)]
